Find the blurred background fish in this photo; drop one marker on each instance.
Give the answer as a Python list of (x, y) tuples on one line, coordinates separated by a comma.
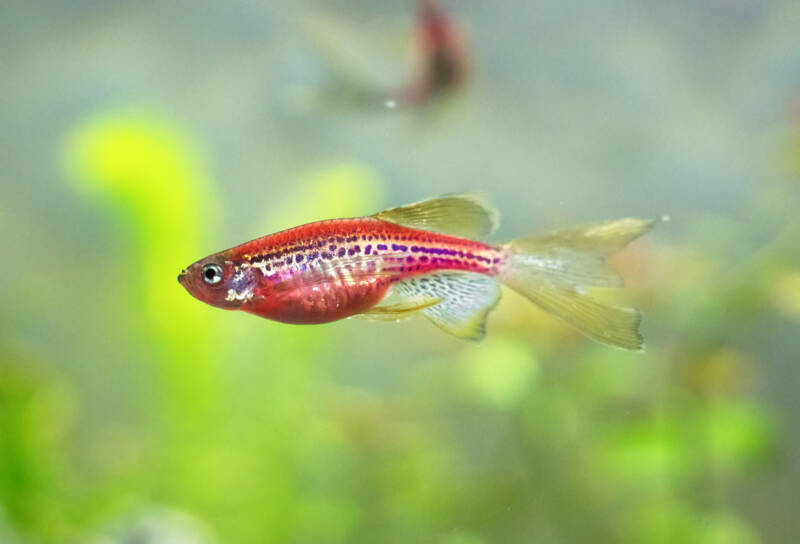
[(436, 59), (442, 57)]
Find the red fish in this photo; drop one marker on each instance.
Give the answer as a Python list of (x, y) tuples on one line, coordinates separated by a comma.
[(442, 65), (423, 258), (443, 56)]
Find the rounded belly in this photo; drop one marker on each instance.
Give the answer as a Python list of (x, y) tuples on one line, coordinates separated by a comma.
[(321, 303)]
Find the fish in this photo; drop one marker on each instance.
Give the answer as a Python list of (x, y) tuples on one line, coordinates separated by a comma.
[(443, 60), (441, 66), (429, 258)]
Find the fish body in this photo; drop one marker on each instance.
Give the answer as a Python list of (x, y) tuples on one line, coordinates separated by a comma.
[(416, 259), (329, 270)]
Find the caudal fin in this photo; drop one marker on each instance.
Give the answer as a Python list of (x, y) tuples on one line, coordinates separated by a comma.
[(554, 270)]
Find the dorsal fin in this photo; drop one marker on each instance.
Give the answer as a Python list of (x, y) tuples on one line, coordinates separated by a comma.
[(463, 215)]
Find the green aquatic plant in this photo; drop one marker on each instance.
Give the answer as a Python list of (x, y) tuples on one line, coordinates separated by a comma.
[(263, 431), (37, 411), (150, 178)]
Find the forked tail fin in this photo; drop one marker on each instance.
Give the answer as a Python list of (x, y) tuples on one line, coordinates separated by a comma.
[(553, 271)]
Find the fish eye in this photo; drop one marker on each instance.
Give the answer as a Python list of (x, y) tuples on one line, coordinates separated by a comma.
[(212, 273)]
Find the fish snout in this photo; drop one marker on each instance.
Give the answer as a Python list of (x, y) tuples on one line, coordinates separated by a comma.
[(183, 278)]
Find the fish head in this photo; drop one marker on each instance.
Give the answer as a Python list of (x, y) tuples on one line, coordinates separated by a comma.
[(218, 281)]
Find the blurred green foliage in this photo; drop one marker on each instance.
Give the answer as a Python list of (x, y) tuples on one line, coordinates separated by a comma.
[(246, 430)]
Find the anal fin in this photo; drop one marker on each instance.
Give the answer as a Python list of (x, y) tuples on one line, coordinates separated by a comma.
[(466, 298)]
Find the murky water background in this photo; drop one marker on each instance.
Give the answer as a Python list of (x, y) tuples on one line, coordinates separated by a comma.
[(136, 138)]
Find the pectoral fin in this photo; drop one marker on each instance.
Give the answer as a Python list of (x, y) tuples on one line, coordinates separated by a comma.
[(398, 308)]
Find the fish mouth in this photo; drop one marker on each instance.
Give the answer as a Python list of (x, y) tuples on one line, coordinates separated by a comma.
[(183, 277)]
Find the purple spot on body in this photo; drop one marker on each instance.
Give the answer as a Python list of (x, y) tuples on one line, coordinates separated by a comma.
[(357, 249), (321, 243), (496, 260), (298, 259), (341, 252), (415, 249), (470, 255), (340, 239), (382, 247), (326, 255), (351, 251), (331, 239), (368, 249), (423, 259), (409, 259)]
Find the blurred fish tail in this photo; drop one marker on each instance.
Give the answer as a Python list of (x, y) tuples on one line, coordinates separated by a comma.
[(554, 270)]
